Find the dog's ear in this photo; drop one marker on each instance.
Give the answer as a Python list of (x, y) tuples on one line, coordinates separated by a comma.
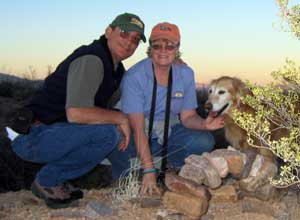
[(241, 90), (241, 87)]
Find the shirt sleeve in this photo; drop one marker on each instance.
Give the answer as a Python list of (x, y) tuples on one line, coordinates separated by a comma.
[(85, 75), (190, 98), (132, 97)]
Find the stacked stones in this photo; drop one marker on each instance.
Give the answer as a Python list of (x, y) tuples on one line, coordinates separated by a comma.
[(185, 196), (201, 177)]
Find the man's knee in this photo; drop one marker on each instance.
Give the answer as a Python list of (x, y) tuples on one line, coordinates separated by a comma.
[(108, 132)]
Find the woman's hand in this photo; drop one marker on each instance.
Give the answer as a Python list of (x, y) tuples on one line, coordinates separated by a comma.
[(212, 123), (149, 186), (190, 119)]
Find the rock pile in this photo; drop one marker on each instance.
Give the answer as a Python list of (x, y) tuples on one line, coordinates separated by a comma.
[(203, 178)]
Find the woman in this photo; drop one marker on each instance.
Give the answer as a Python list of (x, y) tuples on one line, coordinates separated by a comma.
[(186, 134)]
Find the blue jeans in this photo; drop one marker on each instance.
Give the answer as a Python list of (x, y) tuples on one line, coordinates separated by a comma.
[(181, 143), (68, 150)]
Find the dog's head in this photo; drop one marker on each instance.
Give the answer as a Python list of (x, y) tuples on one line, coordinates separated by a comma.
[(223, 94)]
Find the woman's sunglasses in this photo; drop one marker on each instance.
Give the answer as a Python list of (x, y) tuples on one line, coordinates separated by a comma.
[(168, 47)]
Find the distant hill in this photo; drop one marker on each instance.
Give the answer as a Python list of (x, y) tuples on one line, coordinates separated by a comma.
[(8, 77), (4, 77)]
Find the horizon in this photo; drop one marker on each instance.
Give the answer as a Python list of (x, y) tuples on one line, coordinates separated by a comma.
[(234, 38)]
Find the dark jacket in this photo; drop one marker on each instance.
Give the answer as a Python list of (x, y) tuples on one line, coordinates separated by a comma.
[(48, 104)]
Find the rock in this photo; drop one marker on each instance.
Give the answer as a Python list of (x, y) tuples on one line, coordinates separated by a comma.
[(192, 173), (185, 203), (251, 183), (67, 214), (250, 155), (212, 178), (235, 160), (164, 214), (257, 165), (32, 200), (150, 202), (265, 192), (219, 163), (207, 217), (276, 210), (194, 160), (230, 180), (95, 209), (181, 185), (224, 194)]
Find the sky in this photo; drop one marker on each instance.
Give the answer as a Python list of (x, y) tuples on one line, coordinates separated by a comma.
[(233, 37)]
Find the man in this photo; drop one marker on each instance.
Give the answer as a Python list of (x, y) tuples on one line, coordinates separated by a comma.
[(75, 127)]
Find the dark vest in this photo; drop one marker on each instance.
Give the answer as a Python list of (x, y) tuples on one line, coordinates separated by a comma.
[(48, 104)]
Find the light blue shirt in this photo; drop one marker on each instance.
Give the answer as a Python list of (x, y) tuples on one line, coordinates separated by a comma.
[(137, 86)]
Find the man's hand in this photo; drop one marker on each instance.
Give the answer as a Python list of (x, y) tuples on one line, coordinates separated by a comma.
[(124, 129), (149, 186)]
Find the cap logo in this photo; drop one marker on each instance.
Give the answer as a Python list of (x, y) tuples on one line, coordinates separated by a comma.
[(137, 23), (164, 28)]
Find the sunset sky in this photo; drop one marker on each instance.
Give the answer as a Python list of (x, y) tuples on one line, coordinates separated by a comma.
[(233, 37)]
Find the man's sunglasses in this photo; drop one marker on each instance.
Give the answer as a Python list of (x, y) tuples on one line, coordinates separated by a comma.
[(125, 35)]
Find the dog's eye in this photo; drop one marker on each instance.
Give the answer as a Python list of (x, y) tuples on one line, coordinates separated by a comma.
[(221, 92), (209, 91)]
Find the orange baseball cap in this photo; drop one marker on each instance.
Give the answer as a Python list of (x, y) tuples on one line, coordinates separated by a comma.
[(167, 31)]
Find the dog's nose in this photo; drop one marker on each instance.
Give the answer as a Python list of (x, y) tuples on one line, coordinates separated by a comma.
[(208, 106)]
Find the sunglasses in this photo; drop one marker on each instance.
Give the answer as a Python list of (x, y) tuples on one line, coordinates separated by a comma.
[(169, 47), (125, 35)]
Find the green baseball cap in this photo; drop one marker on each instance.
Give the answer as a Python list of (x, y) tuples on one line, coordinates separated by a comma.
[(129, 22)]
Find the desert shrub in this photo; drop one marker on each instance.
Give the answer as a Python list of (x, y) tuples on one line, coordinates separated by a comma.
[(277, 107), (290, 17), (129, 183)]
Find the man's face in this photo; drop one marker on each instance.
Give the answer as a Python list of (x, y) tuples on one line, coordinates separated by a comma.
[(122, 44)]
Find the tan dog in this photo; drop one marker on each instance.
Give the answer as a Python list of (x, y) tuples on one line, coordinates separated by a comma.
[(223, 95)]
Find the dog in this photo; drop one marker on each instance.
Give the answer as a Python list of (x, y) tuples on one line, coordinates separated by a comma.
[(224, 95)]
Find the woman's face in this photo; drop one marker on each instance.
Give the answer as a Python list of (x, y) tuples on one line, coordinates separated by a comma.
[(163, 52)]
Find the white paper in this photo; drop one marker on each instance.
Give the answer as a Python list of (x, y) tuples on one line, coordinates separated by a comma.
[(11, 133)]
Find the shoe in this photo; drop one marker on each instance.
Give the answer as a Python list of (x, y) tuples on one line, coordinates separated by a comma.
[(55, 197), (75, 192)]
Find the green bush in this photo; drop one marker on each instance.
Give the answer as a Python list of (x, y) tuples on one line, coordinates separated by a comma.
[(277, 108)]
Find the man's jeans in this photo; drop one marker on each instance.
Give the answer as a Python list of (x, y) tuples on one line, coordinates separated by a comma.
[(182, 143), (68, 150)]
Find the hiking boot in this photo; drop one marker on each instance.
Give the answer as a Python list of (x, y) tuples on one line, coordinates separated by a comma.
[(55, 197), (75, 192)]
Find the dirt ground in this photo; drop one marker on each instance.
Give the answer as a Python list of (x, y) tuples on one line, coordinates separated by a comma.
[(23, 205)]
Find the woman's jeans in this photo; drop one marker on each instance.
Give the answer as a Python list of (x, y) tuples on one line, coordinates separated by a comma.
[(68, 150), (181, 143)]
